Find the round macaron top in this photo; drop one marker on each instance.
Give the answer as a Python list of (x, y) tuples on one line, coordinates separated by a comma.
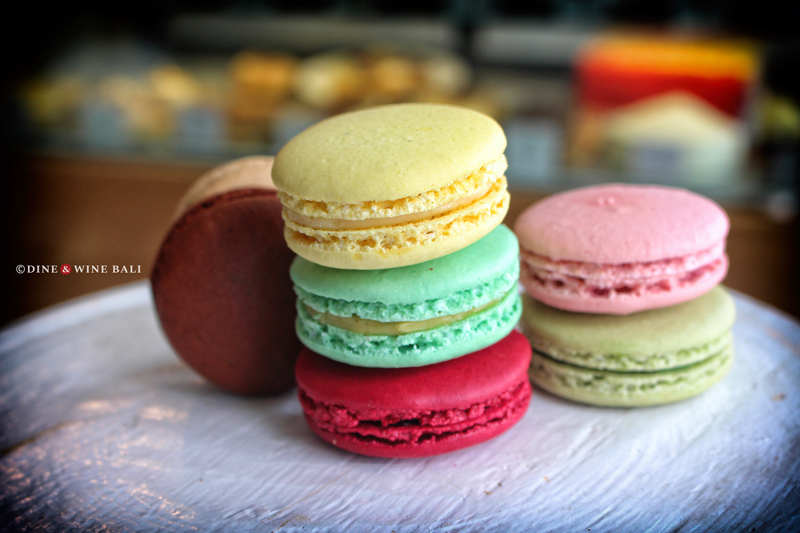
[(453, 384), (387, 153), (658, 331), (481, 262), (254, 172), (616, 224)]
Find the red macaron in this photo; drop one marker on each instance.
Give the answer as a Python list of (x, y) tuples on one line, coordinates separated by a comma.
[(221, 283), (418, 411)]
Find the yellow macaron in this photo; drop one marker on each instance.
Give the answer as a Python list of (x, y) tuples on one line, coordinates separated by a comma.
[(392, 186)]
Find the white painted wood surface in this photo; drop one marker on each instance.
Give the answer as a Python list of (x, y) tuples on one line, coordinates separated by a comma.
[(103, 428)]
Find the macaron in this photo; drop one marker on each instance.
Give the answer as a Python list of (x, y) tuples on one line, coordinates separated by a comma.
[(221, 282), (619, 249), (413, 315), (416, 412), (392, 186), (646, 358), (254, 172)]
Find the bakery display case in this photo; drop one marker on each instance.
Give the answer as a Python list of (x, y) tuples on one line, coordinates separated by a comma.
[(118, 123)]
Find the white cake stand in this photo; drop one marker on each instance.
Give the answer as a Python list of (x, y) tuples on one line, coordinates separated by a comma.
[(102, 428)]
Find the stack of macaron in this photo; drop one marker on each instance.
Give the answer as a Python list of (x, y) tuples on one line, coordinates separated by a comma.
[(405, 280), (623, 305)]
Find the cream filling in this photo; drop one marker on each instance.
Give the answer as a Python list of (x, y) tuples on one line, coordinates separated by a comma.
[(609, 274), (365, 326), (339, 224)]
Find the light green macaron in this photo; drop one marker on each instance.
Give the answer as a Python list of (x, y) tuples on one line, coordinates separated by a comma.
[(646, 358), (414, 315)]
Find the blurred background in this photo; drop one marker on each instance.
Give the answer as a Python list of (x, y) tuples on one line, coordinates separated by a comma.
[(110, 110)]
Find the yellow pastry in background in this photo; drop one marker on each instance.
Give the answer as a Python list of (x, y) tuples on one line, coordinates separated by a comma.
[(266, 75), (261, 83), (330, 81), (392, 77)]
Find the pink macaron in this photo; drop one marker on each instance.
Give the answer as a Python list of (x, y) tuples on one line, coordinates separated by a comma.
[(619, 249)]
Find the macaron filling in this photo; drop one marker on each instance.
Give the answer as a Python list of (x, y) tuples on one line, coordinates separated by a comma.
[(626, 389), (631, 362), (415, 426), (365, 326), (619, 280), (411, 349), (343, 224), (470, 186), (472, 218)]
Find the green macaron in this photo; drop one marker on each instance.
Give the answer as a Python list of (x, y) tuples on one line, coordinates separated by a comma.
[(414, 315), (647, 358)]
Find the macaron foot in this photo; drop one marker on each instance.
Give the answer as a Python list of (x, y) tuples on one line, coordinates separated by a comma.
[(628, 389)]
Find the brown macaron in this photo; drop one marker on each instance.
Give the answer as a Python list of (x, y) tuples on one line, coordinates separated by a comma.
[(221, 281)]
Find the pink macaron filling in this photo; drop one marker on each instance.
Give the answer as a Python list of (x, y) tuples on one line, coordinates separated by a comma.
[(415, 426), (635, 279)]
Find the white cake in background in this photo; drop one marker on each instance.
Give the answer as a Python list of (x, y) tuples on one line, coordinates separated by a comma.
[(676, 137)]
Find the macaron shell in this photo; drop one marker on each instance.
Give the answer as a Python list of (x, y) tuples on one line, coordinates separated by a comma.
[(479, 263), (622, 304), (637, 336), (628, 389), (453, 384), (400, 245), (253, 172), (467, 390), (451, 443), (617, 224), (387, 153), (223, 295)]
